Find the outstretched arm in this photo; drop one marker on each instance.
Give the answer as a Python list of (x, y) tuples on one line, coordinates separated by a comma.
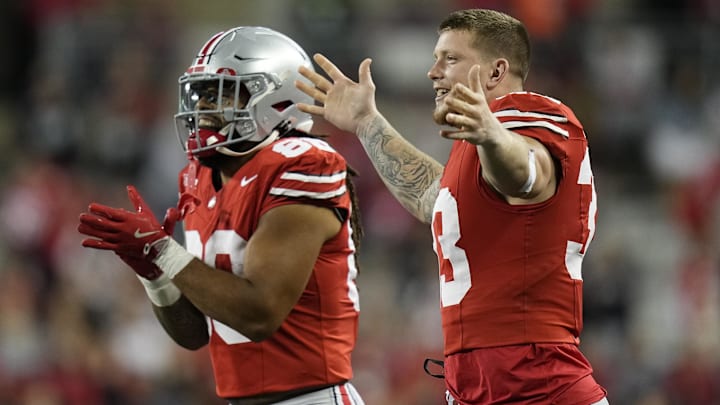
[(411, 175), (519, 167)]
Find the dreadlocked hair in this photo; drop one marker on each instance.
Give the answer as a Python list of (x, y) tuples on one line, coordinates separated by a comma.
[(355, 220)]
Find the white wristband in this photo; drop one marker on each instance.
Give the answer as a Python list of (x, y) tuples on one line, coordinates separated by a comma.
[(171, 257), (161, 291), (532, 173)]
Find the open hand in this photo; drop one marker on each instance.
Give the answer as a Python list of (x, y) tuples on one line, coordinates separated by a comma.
[(468, 111), (343, 102)]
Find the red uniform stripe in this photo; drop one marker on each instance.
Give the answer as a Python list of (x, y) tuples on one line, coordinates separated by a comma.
[(208, 46), (344, 396)]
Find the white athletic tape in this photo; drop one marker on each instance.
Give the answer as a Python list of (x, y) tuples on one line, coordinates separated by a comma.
[(161, 291), (171, 257)]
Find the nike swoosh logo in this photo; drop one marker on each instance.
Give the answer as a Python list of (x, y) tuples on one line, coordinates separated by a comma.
[(140, 235), (247, 180)]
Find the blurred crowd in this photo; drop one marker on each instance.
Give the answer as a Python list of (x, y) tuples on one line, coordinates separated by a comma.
[(86, 105)]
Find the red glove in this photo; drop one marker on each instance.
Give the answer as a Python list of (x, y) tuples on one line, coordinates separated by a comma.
[(146, 268), (134, 236), (142, 267)]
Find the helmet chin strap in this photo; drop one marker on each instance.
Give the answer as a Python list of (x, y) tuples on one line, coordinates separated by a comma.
[(284, 127), (267, 141)]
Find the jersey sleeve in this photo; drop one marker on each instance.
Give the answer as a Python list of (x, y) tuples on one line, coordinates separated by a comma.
[(540, 117), (309, 172)]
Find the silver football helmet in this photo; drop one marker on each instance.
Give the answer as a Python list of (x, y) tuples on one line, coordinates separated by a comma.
[(242, 81)]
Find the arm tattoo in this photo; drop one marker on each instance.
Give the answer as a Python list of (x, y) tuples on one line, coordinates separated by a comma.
[(409, 174), (427, 202)]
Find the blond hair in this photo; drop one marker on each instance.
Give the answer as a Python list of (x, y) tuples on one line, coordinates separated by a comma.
[(495, 34)]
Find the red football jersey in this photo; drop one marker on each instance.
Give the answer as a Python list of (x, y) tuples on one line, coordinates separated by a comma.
[(313, 345), (511, 274)]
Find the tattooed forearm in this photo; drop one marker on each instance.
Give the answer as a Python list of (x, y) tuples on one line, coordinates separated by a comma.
[(427, 201), (410, 175)]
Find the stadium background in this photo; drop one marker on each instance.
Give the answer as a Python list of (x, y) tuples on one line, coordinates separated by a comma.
[(87, 93)]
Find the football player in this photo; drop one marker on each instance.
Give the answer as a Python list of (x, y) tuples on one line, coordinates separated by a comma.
[(267, 274), (511, 213)]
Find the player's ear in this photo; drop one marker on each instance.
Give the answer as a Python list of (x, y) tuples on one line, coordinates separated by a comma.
[(500, 68)]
